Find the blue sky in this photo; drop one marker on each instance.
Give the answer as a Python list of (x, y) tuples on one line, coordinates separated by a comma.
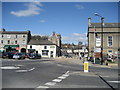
[(70, 19)]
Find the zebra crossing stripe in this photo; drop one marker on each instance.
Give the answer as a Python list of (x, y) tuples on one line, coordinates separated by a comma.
[(57, 80), (50, 83)]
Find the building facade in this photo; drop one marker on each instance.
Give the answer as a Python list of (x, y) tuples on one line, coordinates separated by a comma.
[(44, 47), (56, 39), (14, 40), (110, 44)]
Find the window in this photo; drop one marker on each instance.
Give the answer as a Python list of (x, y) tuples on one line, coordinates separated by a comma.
[(23, 42), (45, 52), (109, 51), (16, 36), (2, 41), (23, 36), (109, 40), (45, 47), (15, 41), (8, 36), (30, 47), (8, 41)]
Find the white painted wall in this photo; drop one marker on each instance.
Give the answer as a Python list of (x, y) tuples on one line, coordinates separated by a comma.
[(39, 48)]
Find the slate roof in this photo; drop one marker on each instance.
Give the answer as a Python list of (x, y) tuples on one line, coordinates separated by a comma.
[(40, 42), (106, 25), (14, 32)]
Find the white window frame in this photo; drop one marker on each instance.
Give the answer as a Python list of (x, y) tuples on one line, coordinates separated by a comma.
[(2, 41), (108, 41), (16, 42), (110, 50), (8, 41), (23, 41), (45, 52)]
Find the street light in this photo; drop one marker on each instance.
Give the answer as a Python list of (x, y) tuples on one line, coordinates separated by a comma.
[(102, 24)]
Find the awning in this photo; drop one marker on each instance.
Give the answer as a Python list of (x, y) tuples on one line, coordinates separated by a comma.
[(12, 46)]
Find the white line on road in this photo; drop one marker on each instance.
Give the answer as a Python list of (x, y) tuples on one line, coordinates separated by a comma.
[(31, 69), (65, 75), (25, 70), (21, 71), (9, 67), (50, 83), (54, 81), (61, 77), (57, 80), (42, 87), (114, 81), (67, 72), (19, 65)]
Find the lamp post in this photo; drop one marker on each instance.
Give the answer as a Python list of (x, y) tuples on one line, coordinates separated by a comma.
[(102, 24)]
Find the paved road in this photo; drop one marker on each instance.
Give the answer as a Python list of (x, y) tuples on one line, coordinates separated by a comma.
[(53, 74)]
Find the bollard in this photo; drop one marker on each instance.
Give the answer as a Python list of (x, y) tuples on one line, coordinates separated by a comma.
[(86, 68)]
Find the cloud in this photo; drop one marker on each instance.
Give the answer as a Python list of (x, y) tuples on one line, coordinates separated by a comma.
[(75, 37), (42, 21), (32, 8), (79, 6)]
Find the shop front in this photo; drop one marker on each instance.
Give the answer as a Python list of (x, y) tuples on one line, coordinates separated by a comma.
[(10, 48)]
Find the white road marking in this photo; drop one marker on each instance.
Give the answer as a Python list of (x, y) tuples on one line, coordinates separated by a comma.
[(61, 77), (19, 65), (9, 67), (54, 81), (21, 71), (57, 80), (42, 87), (31, 69), (65, 75), (25, 70), (50, 83), (67, 72), (114, 81)]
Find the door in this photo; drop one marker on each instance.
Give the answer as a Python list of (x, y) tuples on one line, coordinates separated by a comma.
[(51, 54)]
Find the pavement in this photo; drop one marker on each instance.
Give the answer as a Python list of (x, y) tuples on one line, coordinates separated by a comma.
[(76, 60)]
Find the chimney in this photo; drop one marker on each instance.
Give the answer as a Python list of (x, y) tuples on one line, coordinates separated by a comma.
[(3, 30), (89, 22), (102, 19), (59, 36), (53, 34)]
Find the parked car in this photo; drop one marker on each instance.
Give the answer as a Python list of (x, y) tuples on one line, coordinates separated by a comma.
[(68, 56), (7, 55), (110, 59), (26, 55), (18, 56), (34, 56)]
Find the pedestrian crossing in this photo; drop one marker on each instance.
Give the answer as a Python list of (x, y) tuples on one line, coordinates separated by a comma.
[(55, 81)]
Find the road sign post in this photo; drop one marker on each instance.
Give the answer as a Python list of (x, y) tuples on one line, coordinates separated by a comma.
[(86, 67)]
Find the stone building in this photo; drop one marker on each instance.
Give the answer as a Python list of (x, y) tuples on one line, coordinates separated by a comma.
[(14, 40), (56, 39), (44, 47), (111, 38)]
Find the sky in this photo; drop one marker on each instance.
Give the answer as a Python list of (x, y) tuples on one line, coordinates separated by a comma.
[(70, 19)]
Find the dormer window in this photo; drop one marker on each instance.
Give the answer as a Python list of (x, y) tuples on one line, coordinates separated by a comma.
[(45, 47)]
